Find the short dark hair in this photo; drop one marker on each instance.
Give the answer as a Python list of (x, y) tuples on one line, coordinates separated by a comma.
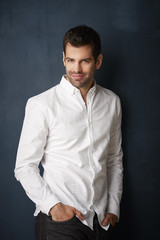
[(83, 35)]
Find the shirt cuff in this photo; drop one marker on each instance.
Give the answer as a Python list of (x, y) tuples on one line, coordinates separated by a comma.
[(114, 209), (48, 204)]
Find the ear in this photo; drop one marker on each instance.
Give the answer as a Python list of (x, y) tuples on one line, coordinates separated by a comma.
[(99, 61), (64, 59)]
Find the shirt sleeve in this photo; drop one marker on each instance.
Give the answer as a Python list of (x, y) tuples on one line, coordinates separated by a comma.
[(114, 164), (30, 153)]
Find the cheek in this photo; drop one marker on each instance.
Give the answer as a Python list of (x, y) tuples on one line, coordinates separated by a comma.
[(68, 68), (92, 70), (88, 69)]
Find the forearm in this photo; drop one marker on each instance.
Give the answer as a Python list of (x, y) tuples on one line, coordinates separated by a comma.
[(30, 153), (114, 165), (36, 188), (115, 188)]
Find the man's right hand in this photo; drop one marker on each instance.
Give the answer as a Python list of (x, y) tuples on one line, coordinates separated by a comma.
[(61, 212)]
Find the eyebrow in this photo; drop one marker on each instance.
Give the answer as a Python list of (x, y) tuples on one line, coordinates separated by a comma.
[(68, 58)]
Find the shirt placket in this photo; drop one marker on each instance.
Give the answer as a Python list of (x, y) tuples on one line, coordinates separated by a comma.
[(91, 145), (87, 109)]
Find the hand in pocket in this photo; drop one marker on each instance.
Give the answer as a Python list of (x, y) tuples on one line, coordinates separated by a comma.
[(61, 212)]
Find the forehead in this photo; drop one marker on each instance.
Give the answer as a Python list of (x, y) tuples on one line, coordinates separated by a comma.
[(78, 52)]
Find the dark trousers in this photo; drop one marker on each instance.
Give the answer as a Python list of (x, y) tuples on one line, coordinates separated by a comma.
[(73, 229)]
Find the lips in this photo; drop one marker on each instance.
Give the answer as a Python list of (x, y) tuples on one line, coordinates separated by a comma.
[(77, 76)]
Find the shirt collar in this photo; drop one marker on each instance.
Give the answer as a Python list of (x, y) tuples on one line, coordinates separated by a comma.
[(71, 89)]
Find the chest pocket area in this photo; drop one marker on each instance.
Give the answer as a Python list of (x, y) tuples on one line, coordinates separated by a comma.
[(71, 125)]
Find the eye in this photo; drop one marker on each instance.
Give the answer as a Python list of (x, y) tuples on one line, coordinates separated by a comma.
[(86, 61), (69, 60)]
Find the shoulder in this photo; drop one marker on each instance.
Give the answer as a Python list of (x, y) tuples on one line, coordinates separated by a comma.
[(41, 106), (45, 98), (109, 98), (106, 93)]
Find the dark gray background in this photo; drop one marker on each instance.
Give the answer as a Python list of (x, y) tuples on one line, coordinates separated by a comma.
[(31, 33)]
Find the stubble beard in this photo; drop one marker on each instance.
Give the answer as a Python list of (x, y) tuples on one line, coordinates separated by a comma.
[(79, 83)]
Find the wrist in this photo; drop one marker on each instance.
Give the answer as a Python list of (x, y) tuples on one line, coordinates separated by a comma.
[(53, 208)]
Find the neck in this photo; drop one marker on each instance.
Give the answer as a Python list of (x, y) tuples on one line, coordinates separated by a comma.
[(84, 91)]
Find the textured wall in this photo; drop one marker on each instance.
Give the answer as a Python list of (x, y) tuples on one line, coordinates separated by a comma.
[(31, 35)]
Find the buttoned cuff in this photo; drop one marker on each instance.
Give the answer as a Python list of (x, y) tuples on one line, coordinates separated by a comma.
[(114, 209), (48, 204)]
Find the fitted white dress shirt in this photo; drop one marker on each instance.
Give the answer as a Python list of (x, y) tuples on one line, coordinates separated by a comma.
[(79, 147)]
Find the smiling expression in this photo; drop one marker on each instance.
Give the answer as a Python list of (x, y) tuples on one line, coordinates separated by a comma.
[(80, 65)]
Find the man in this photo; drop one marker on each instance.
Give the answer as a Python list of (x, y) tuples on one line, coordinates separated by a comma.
[(74, 130)]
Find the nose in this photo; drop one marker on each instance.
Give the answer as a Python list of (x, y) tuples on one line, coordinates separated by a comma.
[(77, 67)]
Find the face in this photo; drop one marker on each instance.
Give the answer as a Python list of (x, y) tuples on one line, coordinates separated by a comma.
[(80, 65)]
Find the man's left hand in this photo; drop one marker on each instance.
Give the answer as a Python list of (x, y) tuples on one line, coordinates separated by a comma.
[(109, 218)]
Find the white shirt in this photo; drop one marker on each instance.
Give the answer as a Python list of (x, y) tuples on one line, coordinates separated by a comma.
[(79, 148)]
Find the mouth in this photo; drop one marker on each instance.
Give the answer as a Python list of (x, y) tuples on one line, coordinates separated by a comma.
[(77, 76)]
